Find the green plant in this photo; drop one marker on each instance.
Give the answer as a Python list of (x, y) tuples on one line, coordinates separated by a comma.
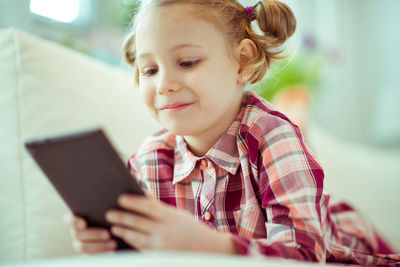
[(126, 12), (302, 68)]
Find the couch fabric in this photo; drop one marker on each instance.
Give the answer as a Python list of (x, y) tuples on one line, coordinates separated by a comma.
[(47, 89)]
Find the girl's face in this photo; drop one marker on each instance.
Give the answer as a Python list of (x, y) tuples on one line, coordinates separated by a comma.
[(188, 79)]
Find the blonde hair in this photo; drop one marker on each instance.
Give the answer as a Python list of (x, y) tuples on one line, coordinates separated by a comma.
[(275, 20)]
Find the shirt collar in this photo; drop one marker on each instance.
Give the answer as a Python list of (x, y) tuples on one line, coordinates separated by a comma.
[(184, 160), (224, 153)]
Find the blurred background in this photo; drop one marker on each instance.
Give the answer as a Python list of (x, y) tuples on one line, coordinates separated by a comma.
[(344, 55)]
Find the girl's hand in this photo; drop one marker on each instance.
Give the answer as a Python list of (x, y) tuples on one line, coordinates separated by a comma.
[(156, 225), (88, 240)]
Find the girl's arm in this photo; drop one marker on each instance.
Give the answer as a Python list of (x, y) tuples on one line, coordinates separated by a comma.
[(298, 223), (291, 193)]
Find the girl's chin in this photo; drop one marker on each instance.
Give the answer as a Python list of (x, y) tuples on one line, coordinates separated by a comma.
[(180, 132), (181, 129)]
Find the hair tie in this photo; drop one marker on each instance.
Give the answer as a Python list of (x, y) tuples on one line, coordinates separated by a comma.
[(249, 11)]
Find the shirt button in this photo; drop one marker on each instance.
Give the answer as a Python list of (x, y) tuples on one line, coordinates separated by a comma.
[(207, 216), (204, 163)]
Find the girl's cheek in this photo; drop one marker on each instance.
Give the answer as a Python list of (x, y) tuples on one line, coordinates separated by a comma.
[(147, 96)]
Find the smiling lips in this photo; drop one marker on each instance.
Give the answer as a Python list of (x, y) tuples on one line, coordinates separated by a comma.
[(175, 107)]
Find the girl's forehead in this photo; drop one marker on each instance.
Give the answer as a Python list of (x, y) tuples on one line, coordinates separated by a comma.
[(169, 27)]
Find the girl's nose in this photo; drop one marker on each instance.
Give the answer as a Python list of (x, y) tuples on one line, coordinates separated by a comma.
[(167, 84)]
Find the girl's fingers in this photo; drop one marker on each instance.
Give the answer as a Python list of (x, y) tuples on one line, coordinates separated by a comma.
[(74, 221), (146, 206), (94, 247), (130, 220), (135, 239), (67, 218), (91, 234)]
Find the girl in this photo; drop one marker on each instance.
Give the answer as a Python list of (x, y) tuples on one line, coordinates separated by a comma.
[(229, 174)]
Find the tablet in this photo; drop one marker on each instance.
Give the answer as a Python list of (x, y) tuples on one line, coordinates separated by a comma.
[(87, 173)]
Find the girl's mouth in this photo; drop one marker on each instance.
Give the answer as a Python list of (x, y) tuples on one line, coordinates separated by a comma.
[(175, 107)]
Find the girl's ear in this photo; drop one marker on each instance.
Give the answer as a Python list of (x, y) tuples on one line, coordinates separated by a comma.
[(247, 50)]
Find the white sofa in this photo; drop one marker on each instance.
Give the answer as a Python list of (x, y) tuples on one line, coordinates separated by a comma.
[(47, 89)]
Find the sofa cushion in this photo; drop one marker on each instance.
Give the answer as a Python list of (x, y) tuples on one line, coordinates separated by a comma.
[(366, 177), (12, 226), (47, 89)]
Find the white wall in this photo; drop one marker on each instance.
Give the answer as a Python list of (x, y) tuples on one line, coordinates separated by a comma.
[(359, 96), (359, 92)]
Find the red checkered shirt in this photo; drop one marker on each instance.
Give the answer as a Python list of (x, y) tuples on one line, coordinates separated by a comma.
[(261, 183)]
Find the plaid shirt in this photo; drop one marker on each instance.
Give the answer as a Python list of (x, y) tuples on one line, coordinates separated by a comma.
[(261, 183)]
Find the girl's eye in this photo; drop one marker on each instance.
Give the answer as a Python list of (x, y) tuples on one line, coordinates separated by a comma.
[(149, 72), (188, 64), (183, 64)]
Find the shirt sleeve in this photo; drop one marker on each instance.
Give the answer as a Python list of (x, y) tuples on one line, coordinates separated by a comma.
[(291, 193)]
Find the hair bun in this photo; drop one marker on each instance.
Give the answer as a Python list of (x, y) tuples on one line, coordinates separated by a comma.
[(276, 20)]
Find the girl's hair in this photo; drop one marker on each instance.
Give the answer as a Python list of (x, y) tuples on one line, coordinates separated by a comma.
[(275, 20)]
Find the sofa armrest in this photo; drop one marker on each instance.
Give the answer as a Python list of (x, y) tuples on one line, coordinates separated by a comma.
[(48, 89)]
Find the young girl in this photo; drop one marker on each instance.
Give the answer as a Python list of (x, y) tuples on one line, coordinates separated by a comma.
[(229, 174)]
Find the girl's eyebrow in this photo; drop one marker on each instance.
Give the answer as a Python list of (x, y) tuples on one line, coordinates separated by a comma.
[(175, 47)]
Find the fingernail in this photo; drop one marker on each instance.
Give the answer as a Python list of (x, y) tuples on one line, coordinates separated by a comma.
[(122, 199), (111, 216), (116, 231), (81, 224)]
